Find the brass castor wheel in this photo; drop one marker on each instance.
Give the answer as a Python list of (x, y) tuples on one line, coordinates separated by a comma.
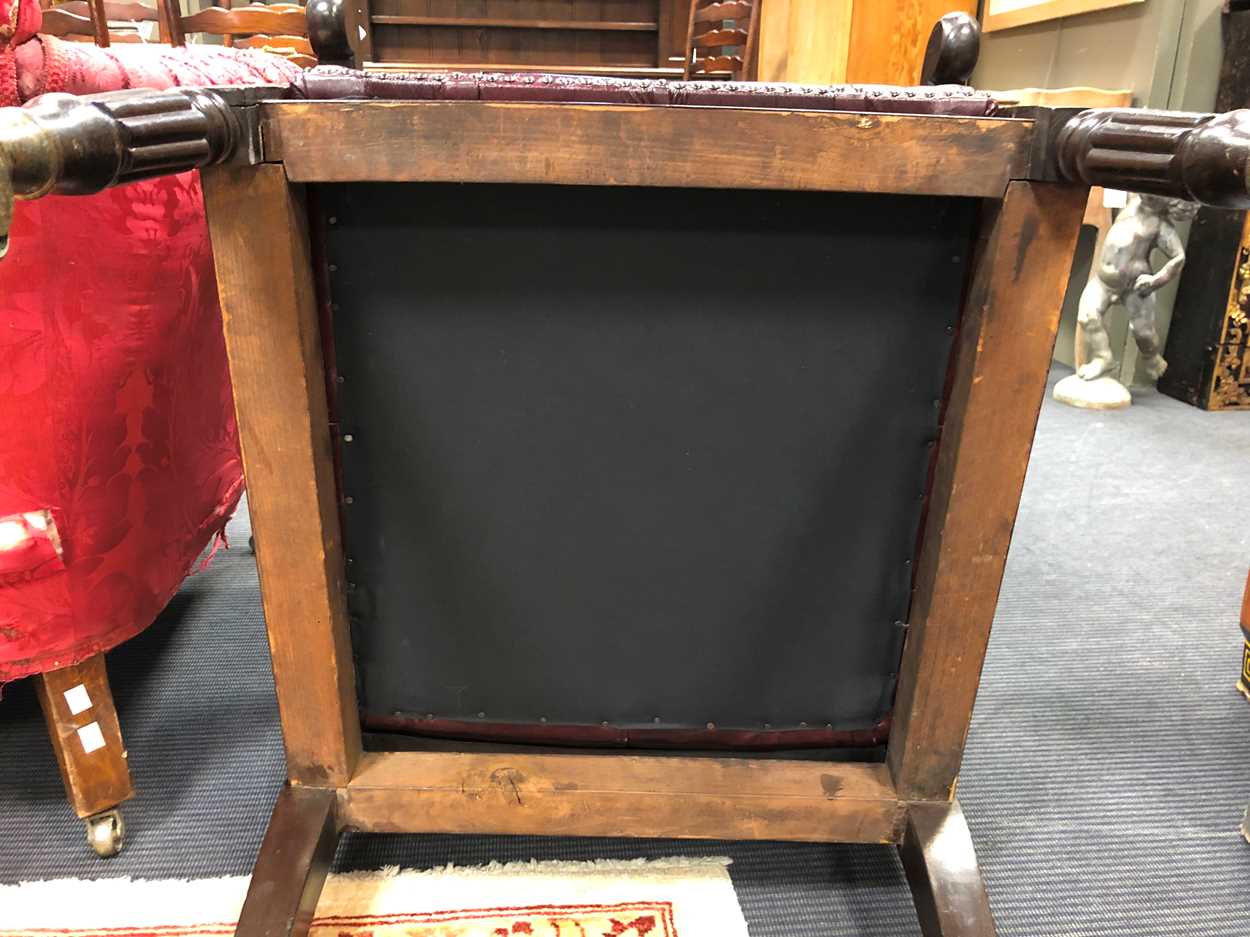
[(106, 833)]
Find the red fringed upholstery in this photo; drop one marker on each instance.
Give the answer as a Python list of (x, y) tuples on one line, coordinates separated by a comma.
[(114, 390)]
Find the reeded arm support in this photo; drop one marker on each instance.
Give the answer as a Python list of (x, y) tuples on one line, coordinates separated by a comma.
[(68, 145), (1201, 157)]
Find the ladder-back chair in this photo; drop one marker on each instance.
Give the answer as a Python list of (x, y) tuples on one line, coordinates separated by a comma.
[(280, 28), (722, 39), (91, 20)]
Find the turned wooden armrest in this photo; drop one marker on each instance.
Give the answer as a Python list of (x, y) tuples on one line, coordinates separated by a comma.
[(69, 145), (1201, 157)]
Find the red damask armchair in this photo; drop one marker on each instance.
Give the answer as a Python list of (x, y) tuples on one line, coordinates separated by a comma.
[(119, 461)]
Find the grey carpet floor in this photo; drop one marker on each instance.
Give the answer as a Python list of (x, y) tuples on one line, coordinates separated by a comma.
[(1107, 767)]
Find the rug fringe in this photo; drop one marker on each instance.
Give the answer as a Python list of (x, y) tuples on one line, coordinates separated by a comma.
[(550, 867)]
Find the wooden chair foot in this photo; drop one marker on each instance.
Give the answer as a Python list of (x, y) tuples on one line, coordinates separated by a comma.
[(292, 865), (943, 873), (82, 723)]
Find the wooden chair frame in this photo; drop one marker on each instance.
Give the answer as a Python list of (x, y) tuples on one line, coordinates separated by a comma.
[(270, 309), (1030, 169)]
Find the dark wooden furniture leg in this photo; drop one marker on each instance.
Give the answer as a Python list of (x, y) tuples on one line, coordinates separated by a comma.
[(942, 871), (292, 865), (87, 739)]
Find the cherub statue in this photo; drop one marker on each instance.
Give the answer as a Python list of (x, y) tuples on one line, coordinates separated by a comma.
[(1122, 274)]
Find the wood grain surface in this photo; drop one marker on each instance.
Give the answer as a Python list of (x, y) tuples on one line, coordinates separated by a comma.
[(344, 141), (1006, 337), (292, 865), (96, 778), (270, 318), (942, 870), (622, 795), (888, 38), (805, 41)]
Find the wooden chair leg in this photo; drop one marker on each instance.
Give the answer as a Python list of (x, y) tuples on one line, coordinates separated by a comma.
[(942, 871), (292, 865), (87, 739)]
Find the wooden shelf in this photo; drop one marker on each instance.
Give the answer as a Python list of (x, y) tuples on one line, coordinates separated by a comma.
[(486, 21)]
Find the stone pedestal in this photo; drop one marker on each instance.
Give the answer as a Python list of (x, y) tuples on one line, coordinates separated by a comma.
[(1103, 393)]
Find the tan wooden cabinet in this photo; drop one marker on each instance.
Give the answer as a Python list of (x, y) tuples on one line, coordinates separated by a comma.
[(860, 41)]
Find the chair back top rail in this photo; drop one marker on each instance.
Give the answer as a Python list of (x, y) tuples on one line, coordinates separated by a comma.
[(128, 11), (65, 24), (281, 19), (89, 19), (725, 10)]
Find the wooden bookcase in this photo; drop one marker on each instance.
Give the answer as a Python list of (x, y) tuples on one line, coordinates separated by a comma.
[(602, 37), (809, 41)]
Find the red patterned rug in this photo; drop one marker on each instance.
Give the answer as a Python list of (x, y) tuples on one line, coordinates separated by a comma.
[(652, 898)]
